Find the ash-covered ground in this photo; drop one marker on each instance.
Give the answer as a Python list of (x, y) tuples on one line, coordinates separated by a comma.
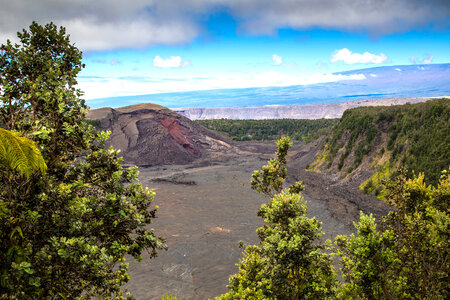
[(206, 208)]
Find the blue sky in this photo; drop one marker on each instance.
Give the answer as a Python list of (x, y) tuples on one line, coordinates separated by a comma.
[(147, 46)]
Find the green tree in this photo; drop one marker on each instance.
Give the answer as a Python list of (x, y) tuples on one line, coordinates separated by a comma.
[(408, 257), (65, 233), (289, 262), (300, 129)]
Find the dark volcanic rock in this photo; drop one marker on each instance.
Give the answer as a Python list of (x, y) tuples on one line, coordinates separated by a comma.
[(149, 134)]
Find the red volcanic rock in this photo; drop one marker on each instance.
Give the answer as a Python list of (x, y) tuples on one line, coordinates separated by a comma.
[(180, 135), (149, 134)]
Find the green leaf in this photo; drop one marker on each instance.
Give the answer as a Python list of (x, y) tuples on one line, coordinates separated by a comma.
[(16, 229), (20, 154)]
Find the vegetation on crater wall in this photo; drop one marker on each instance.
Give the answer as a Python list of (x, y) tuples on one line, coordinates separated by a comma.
[(418, 138)]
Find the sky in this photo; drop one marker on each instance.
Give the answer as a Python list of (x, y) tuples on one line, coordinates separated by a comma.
[(138, 47)]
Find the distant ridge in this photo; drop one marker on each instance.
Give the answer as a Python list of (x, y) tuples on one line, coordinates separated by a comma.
[(319, 111)]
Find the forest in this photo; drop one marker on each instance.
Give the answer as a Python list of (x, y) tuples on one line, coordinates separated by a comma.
[(270, 130), (71, 214), (414, 137)]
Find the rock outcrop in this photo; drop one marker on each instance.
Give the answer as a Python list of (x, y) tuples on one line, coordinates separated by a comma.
[(149, 134)]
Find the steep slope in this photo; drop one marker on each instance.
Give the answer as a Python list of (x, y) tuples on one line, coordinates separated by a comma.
[(370, 144), (149, 134)]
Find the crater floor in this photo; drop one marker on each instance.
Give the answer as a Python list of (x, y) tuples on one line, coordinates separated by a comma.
[(206, 209)]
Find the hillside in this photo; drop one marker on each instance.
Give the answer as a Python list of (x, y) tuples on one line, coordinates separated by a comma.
[(149, 134), (370, 144)]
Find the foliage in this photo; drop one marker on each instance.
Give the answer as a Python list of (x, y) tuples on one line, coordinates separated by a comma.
[(258, 130), (320, 159), (374, 185), (169, 297), (406, 256), (65, 233), (270, 179), (418, 138), (19, 154), (361, 129), (97, 124), (409, 257), (289, 262), (424, 130)]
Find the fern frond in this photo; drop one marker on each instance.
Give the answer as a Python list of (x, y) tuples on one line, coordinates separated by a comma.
[(20, 154)]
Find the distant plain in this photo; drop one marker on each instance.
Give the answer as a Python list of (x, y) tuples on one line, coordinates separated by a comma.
[(405, 81)]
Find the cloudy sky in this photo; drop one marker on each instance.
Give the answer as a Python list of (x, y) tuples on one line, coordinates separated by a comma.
[(153, 46)]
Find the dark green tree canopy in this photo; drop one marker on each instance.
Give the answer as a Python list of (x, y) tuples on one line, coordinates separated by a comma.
[(36, 72), (65, 233), (407, 255)]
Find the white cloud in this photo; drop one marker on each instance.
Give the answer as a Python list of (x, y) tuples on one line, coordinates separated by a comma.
[(277, 60), (398, 69), (428, 59), (113, 24), (321, 64), (137, 33), (373, 75), (104, 24), (114, 86), (347, 57), (171, 62), (375, 17), (185, 63)]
